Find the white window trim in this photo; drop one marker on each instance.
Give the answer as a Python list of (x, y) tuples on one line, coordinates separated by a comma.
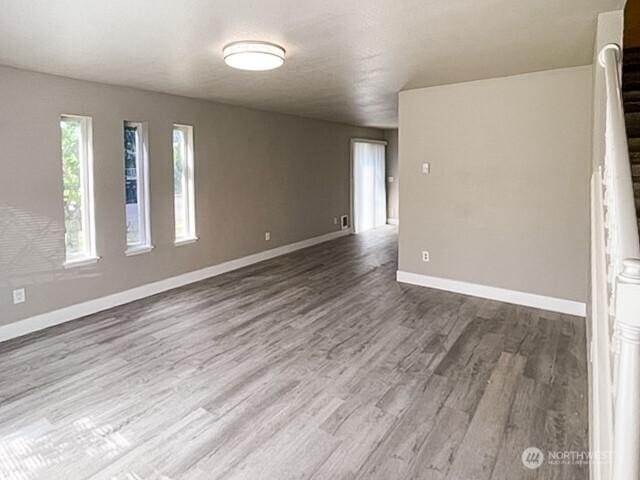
[(192, 235), (185, 241), (87, 193), (81, 262), (138, 250), (142, 171)]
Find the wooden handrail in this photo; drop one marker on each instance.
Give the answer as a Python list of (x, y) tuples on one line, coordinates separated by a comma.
[(617, 164), (623, 279)]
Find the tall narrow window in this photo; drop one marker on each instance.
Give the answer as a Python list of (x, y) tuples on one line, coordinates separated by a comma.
[(369, 188), (183, 184), (77, 169), (136, 162)]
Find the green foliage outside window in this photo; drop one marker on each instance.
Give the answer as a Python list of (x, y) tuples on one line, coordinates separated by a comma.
[(178, 160), (179, 167), (131, 184), (72, 178)]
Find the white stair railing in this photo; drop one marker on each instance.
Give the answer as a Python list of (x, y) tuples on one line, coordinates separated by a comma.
[(615, 293)]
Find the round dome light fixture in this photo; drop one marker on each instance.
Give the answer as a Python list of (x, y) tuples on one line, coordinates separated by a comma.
[(253, 55)]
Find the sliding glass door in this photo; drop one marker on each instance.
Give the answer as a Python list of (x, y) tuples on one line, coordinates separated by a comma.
[(369, 193)]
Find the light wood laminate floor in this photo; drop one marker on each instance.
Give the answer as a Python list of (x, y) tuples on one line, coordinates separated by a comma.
[(314, 365)]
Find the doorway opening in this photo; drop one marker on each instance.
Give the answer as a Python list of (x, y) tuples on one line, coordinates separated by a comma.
[(368, 184)]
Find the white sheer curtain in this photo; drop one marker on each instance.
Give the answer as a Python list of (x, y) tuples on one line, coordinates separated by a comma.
[(369, 194)]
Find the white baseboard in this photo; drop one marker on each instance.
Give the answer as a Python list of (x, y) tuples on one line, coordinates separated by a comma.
[(73, 312), (509, 296), (392, 221)]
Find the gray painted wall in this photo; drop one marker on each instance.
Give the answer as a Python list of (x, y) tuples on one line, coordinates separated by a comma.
[(506, 203), (393, 188), (255, 171)]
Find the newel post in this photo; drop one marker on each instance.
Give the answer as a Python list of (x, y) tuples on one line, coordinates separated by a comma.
[(626, 442)]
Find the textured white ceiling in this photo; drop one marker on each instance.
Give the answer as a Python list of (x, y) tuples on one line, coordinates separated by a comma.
[(346, 59)]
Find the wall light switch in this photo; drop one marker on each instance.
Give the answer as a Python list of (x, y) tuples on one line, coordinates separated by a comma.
[(19, 296), (425, 256), (426, 168), (267, 236), (390, 179)]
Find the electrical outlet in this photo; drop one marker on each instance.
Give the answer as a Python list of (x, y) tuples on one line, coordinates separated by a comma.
[(335, 220), (425, 256), (267, 236), (390, 179), (426, 168), (19, 296)]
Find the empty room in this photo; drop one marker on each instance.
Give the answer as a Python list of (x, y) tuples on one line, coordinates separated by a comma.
[(341, 240)]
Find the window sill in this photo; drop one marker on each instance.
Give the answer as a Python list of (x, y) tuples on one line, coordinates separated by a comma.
[(81, 262), (185, 241), (130, 252)]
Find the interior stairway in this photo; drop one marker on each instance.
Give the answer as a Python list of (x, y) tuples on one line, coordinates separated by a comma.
[(631, 95)]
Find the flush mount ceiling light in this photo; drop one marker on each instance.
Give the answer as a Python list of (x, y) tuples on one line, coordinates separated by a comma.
[(252, 55)]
